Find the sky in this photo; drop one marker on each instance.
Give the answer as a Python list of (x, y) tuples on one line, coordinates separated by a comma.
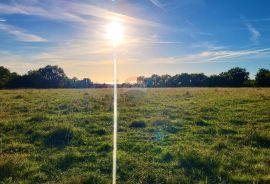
[(160, 36)]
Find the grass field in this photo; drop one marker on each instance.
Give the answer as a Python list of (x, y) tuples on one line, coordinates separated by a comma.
[(165, 136)]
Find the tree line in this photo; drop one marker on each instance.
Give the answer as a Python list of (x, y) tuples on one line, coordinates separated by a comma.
[(47, 77), (55, 77), (235, 77)]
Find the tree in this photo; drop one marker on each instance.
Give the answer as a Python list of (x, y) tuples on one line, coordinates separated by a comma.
[(5, 77), (182, 80), (52, 76), (235, 77), (215, 81), (263, 78), (198, 80), (164, 80)]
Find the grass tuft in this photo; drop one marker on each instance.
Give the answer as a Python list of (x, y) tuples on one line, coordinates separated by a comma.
[(59, 137)]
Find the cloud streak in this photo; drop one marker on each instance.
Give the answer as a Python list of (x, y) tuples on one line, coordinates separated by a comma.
[(210, 56), (70, 11), (157, 3), (20, 34), (255, 34)]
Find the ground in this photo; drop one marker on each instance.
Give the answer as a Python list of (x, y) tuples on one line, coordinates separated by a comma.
[(187, 135)]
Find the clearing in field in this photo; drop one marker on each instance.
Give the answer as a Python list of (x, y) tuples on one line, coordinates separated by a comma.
[(165, 136)]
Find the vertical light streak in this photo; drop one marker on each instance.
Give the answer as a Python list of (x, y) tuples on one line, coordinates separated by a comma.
[(114, 115)]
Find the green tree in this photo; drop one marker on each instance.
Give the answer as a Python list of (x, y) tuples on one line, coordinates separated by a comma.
[(52, 76), (263, 77), (5, 77), (235, 77)]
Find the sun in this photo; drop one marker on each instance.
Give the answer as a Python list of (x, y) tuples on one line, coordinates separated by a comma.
[(115, 32)]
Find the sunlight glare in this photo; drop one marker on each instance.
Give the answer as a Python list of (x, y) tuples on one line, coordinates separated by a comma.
[(115, 32)]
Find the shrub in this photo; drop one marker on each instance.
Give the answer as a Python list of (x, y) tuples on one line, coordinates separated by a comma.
[(201, 123), (220, 146), (67, 160), (137, 124), (161, 122), (18, 97), (227, 131), (94, 179), (167, 157), (260, 139), (15, 166), (199, 166), (38, 118), (91, 178), (10, 167), (104, 148), (100, 132), (59, 137), (237, 122), (171, 129)]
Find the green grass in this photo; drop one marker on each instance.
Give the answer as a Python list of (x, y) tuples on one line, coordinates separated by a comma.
[(165, 136)]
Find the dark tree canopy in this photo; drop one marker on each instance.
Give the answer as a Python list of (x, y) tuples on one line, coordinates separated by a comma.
[(46, 77), (4, 76), (263, 77), (235, 77)]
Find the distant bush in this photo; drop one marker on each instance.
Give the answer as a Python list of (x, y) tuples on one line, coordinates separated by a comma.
[(94, 179), (59, 137), (90, 178), (199, 166), (38, 118), (167, 157), (237, 122), (259, 139), (100, 132), (161, 122), (10, 167), (137, 124), (201, 123), (104, 148), (220, 146), (227, 131), (15, 166), (18, 97), (67, 160)]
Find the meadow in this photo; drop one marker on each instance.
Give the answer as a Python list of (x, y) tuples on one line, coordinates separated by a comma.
[(184, 135)]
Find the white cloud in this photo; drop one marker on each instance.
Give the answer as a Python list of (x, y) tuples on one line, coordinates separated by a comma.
[(157, 3), (255, 34), (210, 56), (69, 11), (20, 34)]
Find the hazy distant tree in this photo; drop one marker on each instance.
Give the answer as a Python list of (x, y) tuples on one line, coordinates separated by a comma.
[(263, 77), (141, 81), (155, 80), (182, 80), (173, 81), (164, 81)]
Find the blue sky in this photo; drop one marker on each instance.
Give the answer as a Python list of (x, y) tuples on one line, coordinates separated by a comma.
[(161, 36)]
